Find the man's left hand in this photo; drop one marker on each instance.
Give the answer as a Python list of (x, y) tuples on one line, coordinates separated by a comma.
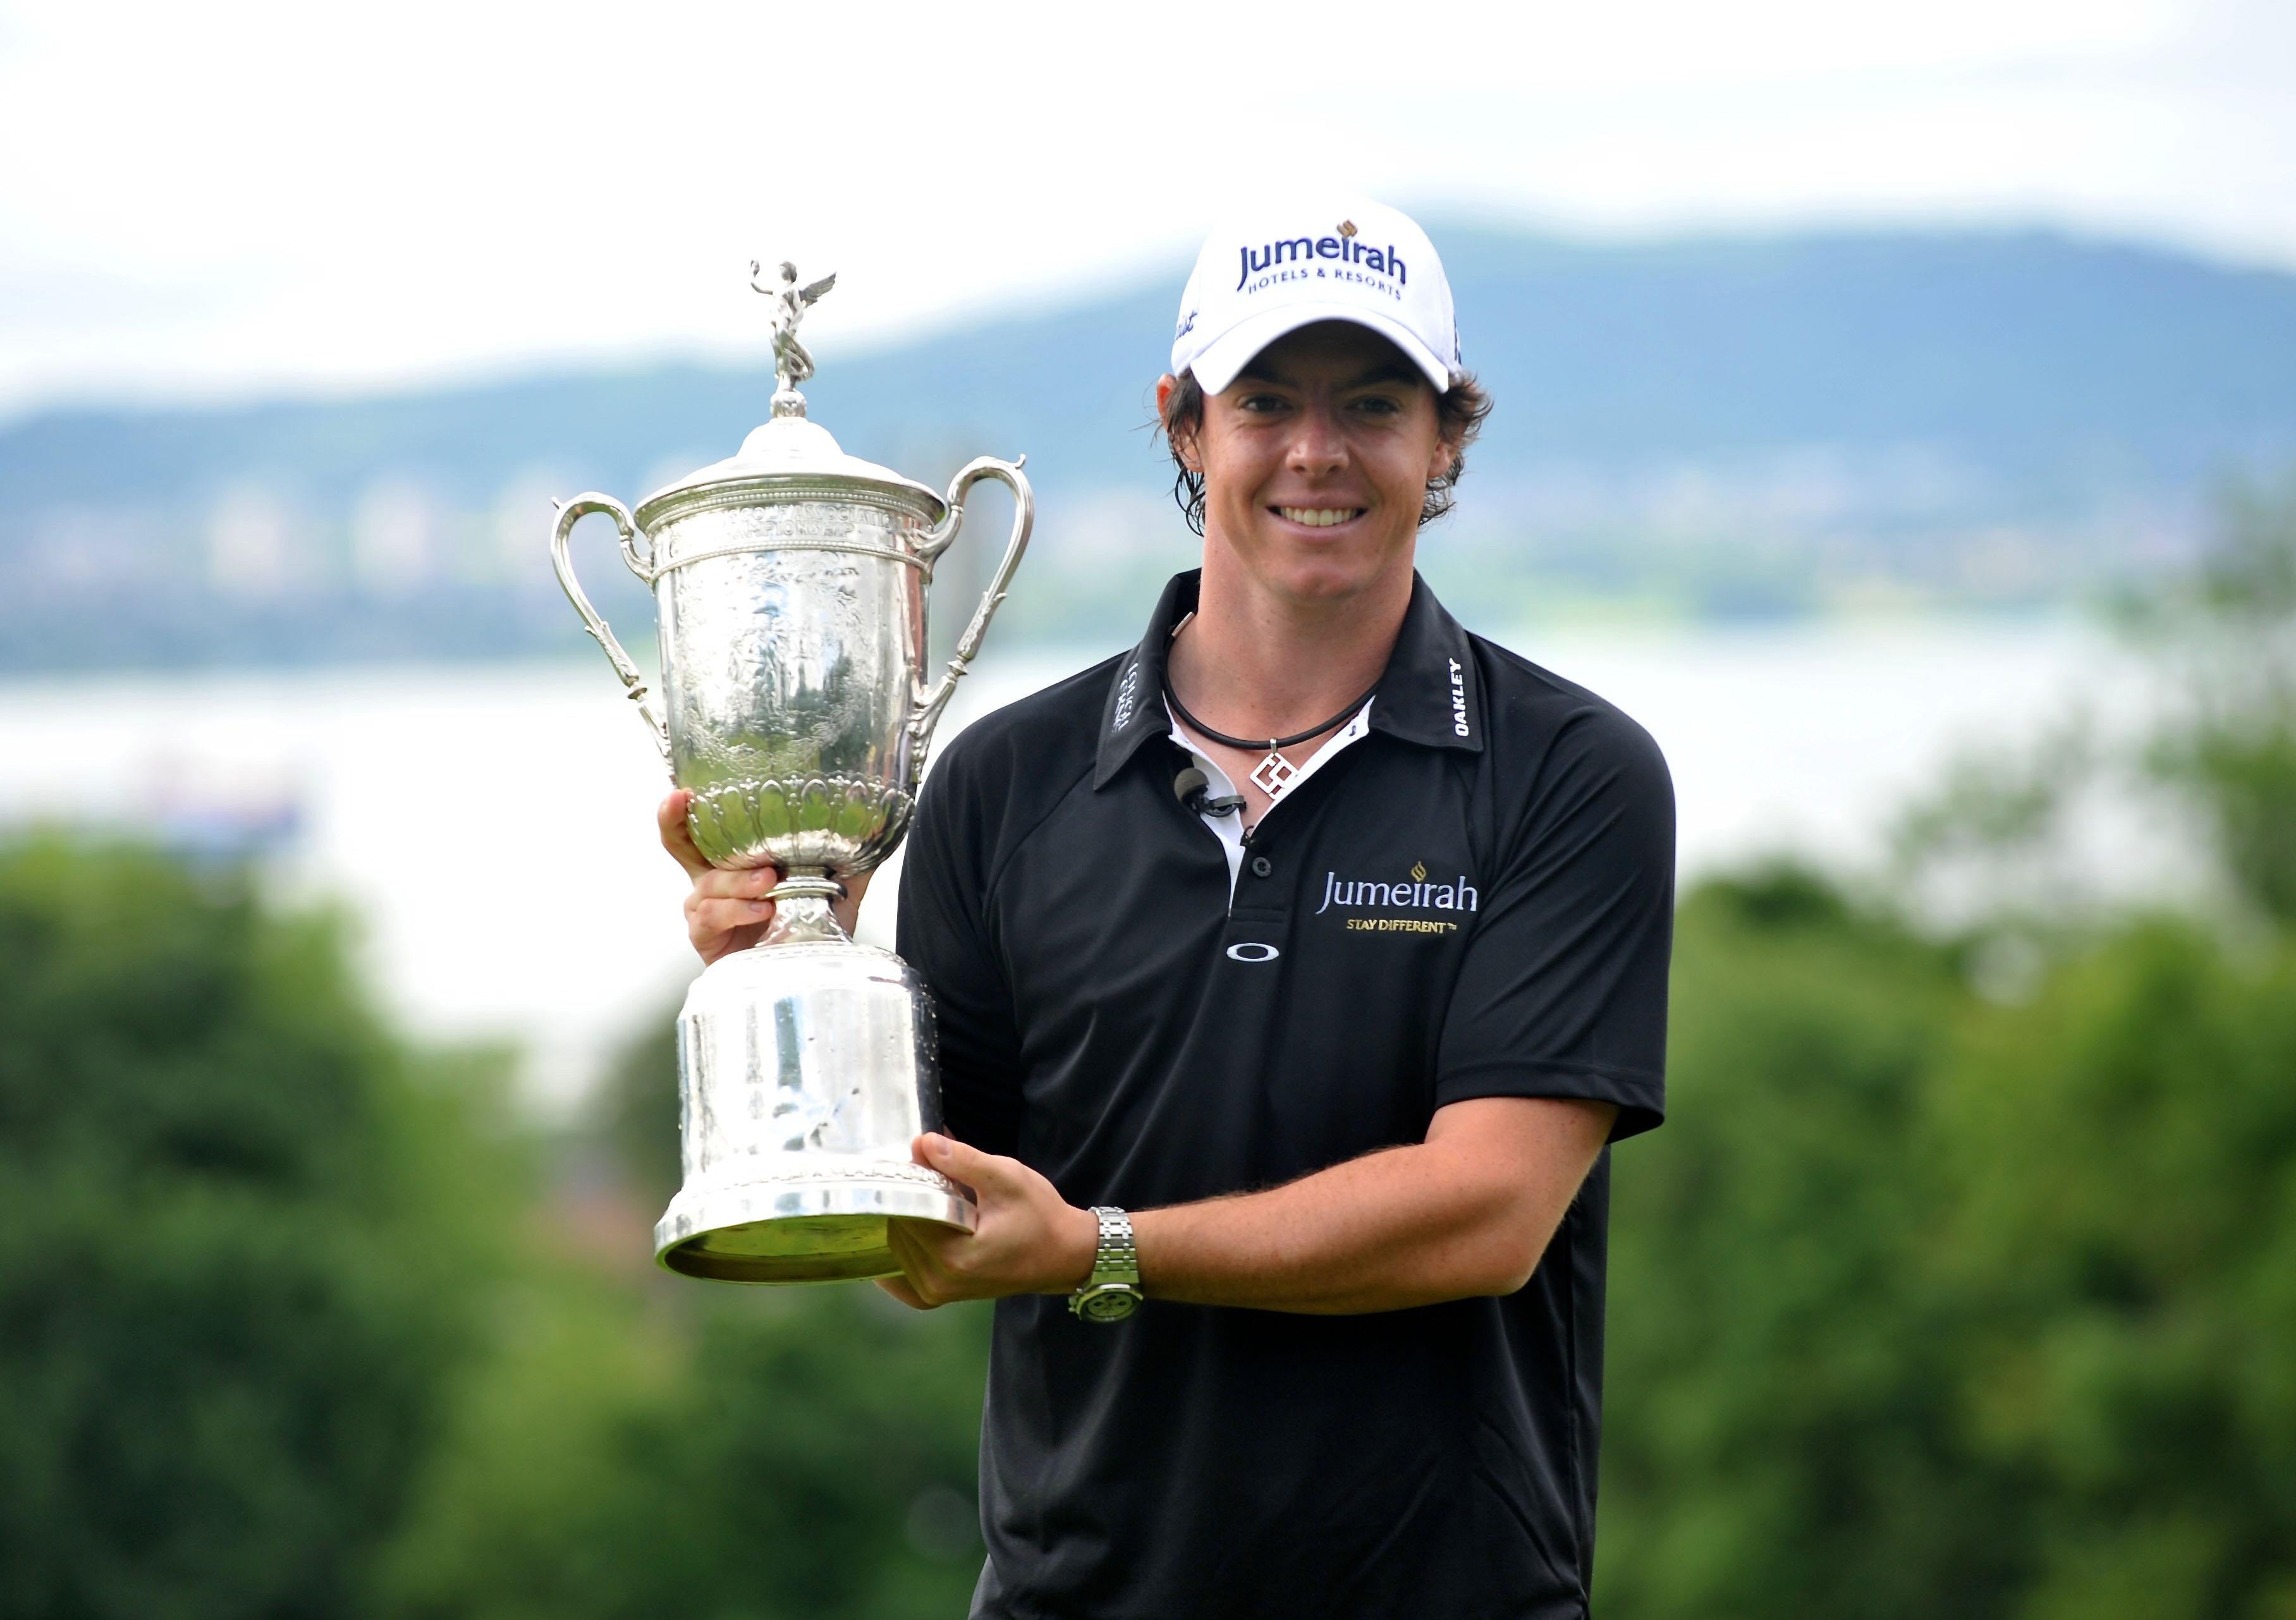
[(1030, 1241)]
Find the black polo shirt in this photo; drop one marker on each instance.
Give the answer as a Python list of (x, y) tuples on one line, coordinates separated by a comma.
[(1473, 900)]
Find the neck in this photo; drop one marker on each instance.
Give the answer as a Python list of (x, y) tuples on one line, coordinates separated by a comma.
[(1257, 662)]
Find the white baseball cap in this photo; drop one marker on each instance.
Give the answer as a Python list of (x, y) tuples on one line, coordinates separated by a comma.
[(1289, 264)]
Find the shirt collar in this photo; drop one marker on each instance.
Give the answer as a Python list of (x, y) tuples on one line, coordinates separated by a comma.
[(1429, 694)]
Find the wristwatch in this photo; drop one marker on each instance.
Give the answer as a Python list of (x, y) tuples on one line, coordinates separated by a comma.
[(1112, 1292)]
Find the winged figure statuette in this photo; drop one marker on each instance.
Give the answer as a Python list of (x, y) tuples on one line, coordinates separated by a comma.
[(792, 364)]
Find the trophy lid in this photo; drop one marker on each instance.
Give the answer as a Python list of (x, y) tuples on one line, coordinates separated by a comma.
[(789, 458)]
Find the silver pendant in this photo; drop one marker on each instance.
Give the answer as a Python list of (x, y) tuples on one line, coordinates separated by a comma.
[(1272, 773)]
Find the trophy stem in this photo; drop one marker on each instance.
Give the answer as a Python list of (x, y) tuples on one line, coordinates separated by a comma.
[(802, 910)]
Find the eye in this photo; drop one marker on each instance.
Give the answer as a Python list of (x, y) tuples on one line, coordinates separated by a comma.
[(1260, 403), (1379, 405)]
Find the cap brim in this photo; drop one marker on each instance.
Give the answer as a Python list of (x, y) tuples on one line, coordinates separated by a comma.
[(1233, 350)]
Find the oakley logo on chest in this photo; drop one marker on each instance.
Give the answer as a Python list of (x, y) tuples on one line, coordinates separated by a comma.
[(1252, 949)]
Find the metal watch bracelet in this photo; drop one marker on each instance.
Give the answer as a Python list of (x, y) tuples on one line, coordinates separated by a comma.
[(1112, 1292)]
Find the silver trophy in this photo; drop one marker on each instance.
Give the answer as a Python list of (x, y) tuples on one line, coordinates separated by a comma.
[(788, 589)]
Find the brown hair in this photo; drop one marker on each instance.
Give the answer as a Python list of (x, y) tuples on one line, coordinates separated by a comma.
[(1459, 412)]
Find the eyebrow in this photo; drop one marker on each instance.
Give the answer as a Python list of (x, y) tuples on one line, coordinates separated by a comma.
[(1389, 371)]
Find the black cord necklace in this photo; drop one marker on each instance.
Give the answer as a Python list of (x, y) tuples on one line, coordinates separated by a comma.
[(1274, 771)]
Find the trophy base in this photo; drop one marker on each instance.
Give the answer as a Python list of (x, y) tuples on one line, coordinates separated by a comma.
[(806, 1072), (817, 1230)]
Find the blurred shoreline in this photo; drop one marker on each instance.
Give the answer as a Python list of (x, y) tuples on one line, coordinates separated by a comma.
[(489, 825)]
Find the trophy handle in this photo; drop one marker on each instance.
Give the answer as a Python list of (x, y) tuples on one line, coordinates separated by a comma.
[(927, 714), (570, 513)]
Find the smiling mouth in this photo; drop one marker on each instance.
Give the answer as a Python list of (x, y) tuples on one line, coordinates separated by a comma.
[(1320, 517)]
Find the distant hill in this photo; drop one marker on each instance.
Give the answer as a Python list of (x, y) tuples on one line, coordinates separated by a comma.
[(1729, 423)]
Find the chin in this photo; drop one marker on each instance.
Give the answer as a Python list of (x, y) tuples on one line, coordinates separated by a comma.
[(1326, 578), (1316, 572)]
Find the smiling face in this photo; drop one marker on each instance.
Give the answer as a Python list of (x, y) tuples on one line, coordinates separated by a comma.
[(1315, 462)]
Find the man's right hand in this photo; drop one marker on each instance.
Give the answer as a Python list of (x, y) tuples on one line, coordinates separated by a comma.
[(727, 909)]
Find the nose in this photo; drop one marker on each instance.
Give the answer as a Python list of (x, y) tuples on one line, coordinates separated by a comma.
[(1318, 447)]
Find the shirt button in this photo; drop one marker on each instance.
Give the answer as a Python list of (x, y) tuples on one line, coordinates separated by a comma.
[(1261, 866)]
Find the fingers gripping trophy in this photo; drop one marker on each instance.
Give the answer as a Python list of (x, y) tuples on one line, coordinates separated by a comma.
[(788, 588)]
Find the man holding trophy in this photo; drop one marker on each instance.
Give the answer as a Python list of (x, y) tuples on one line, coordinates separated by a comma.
[(1294, 970)]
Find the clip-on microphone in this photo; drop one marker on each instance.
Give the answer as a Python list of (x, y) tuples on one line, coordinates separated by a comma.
[(1192, 788)]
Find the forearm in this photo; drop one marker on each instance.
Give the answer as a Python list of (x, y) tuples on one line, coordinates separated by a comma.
[(1466, 1213), (1377, 1233)]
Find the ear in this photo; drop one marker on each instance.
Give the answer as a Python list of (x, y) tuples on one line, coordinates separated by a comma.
[(1185, 446), (1446, 452)]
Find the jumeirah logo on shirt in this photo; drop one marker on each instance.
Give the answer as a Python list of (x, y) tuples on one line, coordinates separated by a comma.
[(1416, 893)]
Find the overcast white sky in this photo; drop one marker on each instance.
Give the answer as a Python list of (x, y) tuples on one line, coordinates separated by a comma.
[(229, 199)]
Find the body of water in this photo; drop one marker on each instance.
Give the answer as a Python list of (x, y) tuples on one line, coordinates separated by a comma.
[(492, 825)]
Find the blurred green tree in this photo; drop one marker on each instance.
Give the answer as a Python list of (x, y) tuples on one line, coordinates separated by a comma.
[(232, 1281), (1928, 1301), (807, 1454), (1926, 1304), (634, 1118), (639, 1444), (2232, 739), (1779, 1434), (2118, 1251)]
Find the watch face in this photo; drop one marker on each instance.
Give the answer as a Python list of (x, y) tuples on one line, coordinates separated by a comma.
[(1109, 1301)]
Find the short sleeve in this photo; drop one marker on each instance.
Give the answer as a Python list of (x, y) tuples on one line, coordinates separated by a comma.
[(1562, 992), (943, 935)]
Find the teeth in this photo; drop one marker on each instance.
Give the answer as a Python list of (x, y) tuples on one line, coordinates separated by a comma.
[(1318, 517)]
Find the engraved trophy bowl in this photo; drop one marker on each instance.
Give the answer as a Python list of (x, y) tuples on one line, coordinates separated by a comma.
[(790, 585)]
